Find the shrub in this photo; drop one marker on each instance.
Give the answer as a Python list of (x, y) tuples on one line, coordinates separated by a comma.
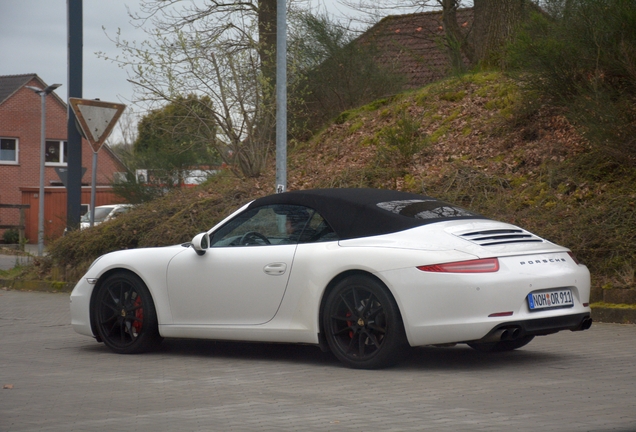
[(584, 58), (400, 142), (11, 236)]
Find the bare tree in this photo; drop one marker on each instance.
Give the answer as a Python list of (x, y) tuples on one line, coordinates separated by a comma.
[(224, 50), (125, 131)]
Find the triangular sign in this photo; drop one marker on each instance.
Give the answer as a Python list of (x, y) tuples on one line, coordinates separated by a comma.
[(96, 119)]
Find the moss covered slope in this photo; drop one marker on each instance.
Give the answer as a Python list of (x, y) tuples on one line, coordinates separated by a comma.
[(477, 140)]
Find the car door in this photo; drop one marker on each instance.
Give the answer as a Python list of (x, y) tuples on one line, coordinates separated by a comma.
[(242, 277)]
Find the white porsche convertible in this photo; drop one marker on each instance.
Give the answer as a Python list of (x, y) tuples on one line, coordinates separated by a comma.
[(364, 273)]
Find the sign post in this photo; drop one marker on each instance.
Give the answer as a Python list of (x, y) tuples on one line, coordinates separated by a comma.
[(96, 120)]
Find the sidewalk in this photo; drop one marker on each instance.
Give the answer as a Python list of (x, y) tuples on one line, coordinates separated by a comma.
[(7, 262)]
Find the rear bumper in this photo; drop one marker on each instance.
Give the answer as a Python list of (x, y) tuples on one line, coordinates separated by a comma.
[(439, 308), (538, 327)]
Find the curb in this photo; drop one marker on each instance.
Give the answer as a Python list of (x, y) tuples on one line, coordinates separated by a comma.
[(614, 315)]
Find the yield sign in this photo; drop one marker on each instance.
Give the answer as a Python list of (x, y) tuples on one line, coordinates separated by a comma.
[(96, 119)]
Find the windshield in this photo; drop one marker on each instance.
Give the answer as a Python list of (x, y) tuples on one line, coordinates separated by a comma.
[(100, 214)]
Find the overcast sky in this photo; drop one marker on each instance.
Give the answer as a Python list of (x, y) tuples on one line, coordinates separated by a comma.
[(33, 39), (33, 35)]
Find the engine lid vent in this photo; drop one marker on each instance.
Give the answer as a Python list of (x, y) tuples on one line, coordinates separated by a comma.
[(500, 236)]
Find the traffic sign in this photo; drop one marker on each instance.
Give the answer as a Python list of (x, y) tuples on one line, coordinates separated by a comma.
[(96, 119), (62, 173)]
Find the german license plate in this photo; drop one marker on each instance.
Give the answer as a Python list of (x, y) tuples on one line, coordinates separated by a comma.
[(550, 299)]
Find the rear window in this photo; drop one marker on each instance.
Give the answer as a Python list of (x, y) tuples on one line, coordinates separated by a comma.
[(426, 209)]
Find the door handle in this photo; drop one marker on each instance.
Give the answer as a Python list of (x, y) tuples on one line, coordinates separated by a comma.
[(275, 269)]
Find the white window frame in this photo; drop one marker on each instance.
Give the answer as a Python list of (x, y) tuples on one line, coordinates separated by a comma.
[(17, 152), (61, 144)]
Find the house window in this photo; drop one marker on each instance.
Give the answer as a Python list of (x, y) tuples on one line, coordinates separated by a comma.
[(56, 152), (8, 150)]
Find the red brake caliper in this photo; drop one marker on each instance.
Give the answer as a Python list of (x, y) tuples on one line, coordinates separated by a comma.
[(349, 323), (139, 314)]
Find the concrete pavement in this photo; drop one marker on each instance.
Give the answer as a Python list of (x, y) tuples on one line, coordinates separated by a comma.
[(7, 262), (57, 380)]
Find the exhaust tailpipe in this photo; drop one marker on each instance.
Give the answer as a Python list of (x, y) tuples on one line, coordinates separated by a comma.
[(495, 336), (585, 324), (504, 334)]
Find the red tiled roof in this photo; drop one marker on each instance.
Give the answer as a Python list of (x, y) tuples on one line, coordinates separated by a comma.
[(414, 45)]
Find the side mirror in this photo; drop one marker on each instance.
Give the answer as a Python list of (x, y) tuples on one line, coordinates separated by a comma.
[(200, 243)]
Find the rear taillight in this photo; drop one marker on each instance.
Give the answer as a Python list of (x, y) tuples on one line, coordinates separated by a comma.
[(486, 265), (574, 258)]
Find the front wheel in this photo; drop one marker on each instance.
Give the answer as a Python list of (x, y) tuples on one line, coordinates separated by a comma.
[(362, 324), (124, 315)]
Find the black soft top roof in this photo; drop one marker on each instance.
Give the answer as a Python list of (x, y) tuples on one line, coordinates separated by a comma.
[(354, 213)]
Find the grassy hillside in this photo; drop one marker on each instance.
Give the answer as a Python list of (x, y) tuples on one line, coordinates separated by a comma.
[(476, 140)]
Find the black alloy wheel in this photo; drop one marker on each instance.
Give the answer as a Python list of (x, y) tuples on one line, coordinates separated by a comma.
[(124, 314), (363, 325)]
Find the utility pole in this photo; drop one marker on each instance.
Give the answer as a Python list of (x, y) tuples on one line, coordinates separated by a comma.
[(281, 96), (74, 138)]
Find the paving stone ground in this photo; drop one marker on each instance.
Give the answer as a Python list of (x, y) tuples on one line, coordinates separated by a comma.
[(57, 380)]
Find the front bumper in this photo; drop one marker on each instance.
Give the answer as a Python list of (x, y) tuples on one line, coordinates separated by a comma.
[(80, 307)]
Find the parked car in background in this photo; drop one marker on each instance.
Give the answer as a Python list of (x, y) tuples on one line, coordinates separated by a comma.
[(104, 213)]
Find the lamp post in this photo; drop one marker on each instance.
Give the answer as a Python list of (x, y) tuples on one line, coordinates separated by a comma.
[(281, 96), (43, 93)]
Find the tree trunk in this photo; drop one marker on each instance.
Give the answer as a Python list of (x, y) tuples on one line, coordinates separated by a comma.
[(267, 38), (495, 23), (457, 43), (265, 125)]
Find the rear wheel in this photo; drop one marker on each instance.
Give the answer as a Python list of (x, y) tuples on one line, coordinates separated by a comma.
[(502, 346), (362, 324), (124, 315)]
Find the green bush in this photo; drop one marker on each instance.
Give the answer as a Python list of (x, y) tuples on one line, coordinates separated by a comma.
[(400, 142), (335, 73), (11, 236), (584, 58)]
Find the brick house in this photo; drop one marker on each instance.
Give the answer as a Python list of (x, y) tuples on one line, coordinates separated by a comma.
[(20, 120)]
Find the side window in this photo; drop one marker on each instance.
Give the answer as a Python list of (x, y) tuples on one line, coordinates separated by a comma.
[(8, 150), (271, 225), (56, 152), (317, 230)]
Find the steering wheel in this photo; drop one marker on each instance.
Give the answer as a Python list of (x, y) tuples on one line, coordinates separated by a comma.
[(252, 237)]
